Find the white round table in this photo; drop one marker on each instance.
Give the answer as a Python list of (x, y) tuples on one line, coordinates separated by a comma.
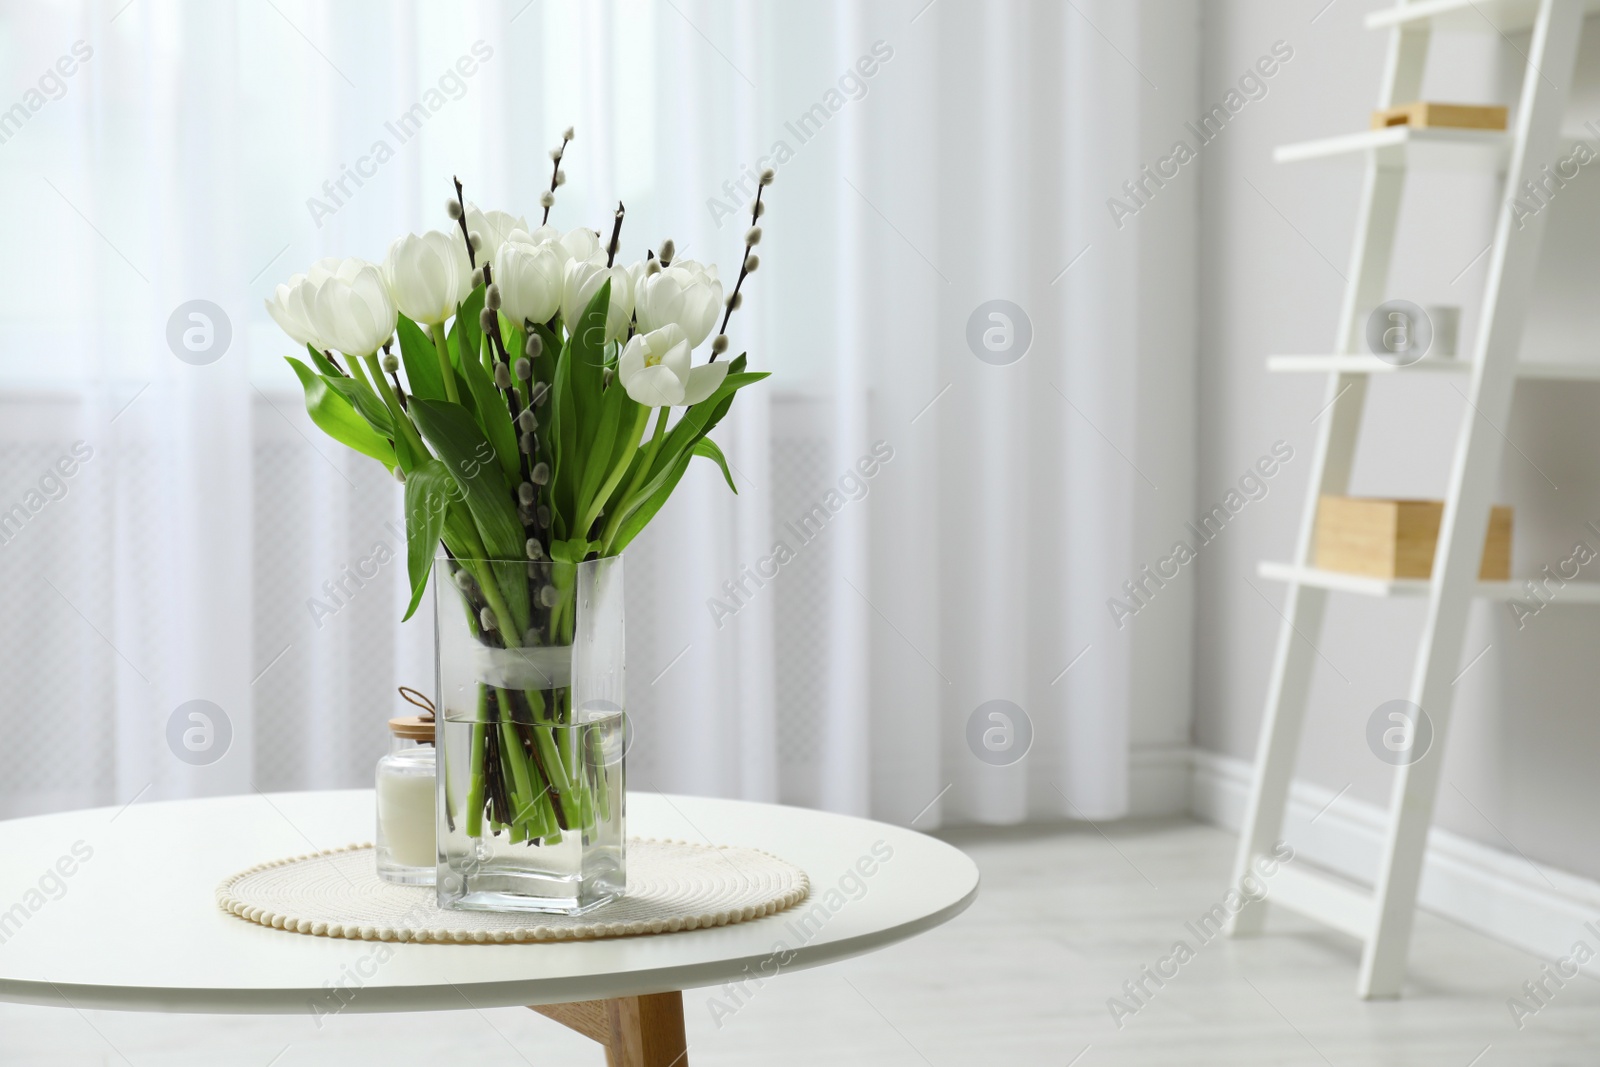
[(116, 909)]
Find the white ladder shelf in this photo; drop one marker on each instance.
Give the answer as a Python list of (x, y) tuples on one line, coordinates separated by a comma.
[(1382, 917)]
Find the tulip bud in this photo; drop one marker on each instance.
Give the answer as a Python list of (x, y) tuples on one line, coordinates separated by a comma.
[(522, 368), (549, 597), (491, 297), (526, 421), (525, 492), (568, 135), (477, 277), (547, 199), (502, 376), (735, 301), (542, 514), (535, 550), (719, 345), (399, 475), (561, 177), (752, 236), (668, 251), (391, 363), (533, 346), (540, 473), (767, 175), (751, 262), (486, 618), (527, 443), (757, 208)]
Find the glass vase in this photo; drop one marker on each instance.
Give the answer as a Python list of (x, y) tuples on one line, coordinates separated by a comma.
[(530, 734)]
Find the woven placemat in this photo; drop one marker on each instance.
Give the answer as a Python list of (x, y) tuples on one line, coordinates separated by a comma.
[(672, 885)]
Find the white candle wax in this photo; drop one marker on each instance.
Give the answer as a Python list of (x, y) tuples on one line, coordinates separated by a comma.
[(405, 813)]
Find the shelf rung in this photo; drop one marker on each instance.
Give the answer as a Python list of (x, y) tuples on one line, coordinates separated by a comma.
[(1531, 370), (1429, 148), (1321, 897), (1574, 592), (1482, 16)]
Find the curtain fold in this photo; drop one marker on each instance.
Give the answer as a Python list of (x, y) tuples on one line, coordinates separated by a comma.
[(924, 533)]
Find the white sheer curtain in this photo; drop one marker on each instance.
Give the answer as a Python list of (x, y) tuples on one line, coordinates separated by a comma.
[(217, 548)]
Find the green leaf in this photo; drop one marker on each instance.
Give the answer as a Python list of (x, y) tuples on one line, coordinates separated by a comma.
[(423, 376), (586, 359), (465, 336), (429, 492), (544, 368), (575, 550), (600, 459), (699, 419), (470, 460), (563, 446), (653, 495), (335, 417), (323, 364), (708, 448), (366, 403), (493, 416)]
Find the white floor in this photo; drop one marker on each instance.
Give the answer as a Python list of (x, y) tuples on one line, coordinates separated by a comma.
[(1064, 918)]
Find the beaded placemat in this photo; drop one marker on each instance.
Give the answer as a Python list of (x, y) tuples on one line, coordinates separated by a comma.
[(672, 886)]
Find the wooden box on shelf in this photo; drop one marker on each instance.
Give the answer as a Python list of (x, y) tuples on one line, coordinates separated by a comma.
[(1422, 113), (1396, 538)]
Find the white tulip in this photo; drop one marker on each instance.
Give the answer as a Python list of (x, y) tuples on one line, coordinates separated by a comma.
[(582, 279), (686, 293), (583, 244), (494, 227), (429, 275), (351, 309), (529, 276), (654, 369), (288, 306)]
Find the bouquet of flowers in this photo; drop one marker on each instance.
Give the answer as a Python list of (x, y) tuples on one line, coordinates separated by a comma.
[(521, 428)]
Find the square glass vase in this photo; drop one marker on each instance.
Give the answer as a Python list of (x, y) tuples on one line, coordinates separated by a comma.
[(530, 734)]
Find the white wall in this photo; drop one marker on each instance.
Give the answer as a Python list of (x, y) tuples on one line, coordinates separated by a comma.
[(1524, 740), (1167, 234)]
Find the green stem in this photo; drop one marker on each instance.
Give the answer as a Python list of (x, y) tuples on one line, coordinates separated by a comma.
[(522, 786), (356, 372), (638, 479), (616, 473), (402, 421), (475, 781), (441, 344)]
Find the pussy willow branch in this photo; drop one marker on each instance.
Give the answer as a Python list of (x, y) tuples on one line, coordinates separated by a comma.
[(555, 172), (616, 233), (472, 256), (744, 264)]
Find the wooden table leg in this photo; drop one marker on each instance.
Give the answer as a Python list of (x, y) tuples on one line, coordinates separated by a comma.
[(635, 1031)]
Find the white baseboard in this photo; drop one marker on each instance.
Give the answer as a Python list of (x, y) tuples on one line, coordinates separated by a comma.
[(1531, 906), (1158, 781)]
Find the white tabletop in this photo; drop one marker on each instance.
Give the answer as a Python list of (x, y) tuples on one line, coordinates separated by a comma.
[(136, 926)]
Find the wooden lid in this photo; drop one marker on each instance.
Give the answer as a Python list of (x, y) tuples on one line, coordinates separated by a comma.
[(413, 728)]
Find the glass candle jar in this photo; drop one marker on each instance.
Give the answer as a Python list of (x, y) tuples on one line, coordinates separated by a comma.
[(406, 848)]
